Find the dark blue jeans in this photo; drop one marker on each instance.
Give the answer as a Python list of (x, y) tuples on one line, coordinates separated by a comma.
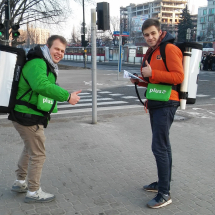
[(161, 120)]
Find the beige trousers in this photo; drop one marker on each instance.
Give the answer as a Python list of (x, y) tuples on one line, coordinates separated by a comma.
[(33, 155)]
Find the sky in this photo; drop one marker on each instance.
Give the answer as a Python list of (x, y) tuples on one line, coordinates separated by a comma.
[(114, 6)]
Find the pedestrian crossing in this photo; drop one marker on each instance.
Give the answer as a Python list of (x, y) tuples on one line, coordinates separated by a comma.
[(106, 100)]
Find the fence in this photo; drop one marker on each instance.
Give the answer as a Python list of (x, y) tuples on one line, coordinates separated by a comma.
[(105, 54)]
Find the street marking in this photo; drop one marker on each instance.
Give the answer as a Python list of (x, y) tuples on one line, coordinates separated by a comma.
[(105, 92), (134, 85), (92, 90), (116, 94), (143, 100), (98, 109), (3, 116), (129, 97), (90, 104), (89, 109), (201, 95), (84, 94), (100, 99)]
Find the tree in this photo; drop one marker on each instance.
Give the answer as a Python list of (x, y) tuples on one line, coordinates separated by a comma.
[(184, 24), (115, 25), (48, 12), (74, 36)]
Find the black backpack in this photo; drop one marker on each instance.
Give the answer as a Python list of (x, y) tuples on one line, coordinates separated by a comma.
[(14, 76), (20, 55)]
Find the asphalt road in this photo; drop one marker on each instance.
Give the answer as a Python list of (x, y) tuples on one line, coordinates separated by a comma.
[(206, 80)]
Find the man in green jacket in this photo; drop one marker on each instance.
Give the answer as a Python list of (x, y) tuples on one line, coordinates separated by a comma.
[(38, 78)]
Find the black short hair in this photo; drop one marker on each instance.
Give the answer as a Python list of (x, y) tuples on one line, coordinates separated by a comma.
[(56, 37), (151, 22)]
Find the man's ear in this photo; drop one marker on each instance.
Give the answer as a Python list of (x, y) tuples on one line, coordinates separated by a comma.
[(160, 32)]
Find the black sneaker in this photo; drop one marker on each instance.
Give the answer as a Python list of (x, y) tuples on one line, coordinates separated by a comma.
[(153, 187), (159, 201)]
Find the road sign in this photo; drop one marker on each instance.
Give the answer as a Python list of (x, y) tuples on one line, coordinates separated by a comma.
[(124, 34), (116, 33), (132, 52)]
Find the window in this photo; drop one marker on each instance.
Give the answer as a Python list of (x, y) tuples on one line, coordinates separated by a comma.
[(211, 10), (211, 18), (205, 12), (202, 19), (213, 2), (210, 25), (203, 26), (202, 33)]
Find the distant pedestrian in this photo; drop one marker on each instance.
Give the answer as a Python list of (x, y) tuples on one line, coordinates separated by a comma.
[(38, 79), (161, 111), (210, 59), (213, 62), (203, 61)]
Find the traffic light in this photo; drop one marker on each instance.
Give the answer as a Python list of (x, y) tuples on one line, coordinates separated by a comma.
[(124, 40), (2, 29), (84, 43), (103, 16), (15, 32), (82, 40)]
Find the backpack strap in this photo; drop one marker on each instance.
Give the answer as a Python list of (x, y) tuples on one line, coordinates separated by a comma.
[(163, 55), (34, 107)]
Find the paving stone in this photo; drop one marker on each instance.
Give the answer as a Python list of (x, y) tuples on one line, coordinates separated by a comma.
[(100, 169)]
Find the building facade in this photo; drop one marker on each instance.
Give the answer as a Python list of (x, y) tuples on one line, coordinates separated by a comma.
[(166, 11), (205, 22), (33, 36)]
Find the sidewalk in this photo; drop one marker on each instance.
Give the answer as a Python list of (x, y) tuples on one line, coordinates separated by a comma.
[(100, 169)]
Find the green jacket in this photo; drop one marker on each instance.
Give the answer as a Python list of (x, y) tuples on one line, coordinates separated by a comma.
[(35, 72)]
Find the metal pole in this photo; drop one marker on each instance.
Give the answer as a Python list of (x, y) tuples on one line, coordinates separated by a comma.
[(120, 56), (94, 65), (7, 21), (84, 36)]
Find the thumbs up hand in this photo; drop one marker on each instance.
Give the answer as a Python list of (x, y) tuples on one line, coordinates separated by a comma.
[(147, 71), (74, 98)]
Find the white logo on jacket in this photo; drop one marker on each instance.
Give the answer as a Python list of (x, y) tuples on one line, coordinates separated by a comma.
[(46, 100)]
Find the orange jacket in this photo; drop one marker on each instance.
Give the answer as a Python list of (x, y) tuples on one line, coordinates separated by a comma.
[(175, 75)]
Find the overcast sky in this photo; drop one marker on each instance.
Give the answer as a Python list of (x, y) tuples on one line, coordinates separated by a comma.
[(77, 16)]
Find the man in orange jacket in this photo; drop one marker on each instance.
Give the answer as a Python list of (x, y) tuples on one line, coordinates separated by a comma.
[(162, 113)]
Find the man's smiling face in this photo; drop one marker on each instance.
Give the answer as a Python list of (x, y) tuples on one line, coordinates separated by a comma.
[(57, 50), (151, 35)]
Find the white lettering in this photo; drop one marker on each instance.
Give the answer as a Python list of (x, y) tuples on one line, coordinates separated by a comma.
[(46, 100), (157, 91)]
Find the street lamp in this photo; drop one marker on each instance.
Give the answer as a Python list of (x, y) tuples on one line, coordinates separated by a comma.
[(83, 38)]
